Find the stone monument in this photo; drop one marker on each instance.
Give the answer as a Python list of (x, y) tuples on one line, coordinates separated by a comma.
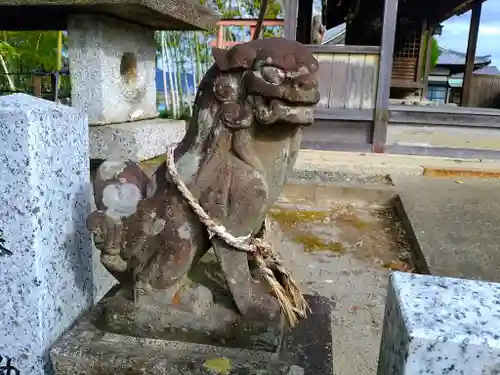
[(181, 307), (46, 270)]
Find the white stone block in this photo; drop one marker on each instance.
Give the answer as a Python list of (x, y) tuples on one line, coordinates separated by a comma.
[(48, 280), (113, 68), (440, 326), (137, 141)]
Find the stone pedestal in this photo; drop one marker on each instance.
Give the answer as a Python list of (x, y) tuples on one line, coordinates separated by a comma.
[(142, 339), (112, 65), (48, 279), (88, 349), (436, 325)]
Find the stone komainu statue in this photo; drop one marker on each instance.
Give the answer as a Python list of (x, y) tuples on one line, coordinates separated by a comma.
[(240, 146)]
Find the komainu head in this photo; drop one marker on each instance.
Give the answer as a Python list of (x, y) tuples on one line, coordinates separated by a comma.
[(275, 77)]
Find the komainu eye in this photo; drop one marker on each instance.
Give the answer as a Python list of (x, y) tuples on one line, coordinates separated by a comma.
[(226, 88), (273, 75)]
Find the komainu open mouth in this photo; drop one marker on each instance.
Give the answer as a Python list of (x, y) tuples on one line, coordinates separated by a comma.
[(271, 111)]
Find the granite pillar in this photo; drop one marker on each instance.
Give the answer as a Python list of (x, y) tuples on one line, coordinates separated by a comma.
[(437, 325), (47, 276)]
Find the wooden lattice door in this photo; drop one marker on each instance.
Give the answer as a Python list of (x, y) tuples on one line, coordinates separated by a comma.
[(407, 66), (405, 63)]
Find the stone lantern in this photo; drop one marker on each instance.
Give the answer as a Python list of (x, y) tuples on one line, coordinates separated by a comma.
[(112, 58)]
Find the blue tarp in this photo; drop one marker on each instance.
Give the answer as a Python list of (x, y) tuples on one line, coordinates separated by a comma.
[(190, 87)]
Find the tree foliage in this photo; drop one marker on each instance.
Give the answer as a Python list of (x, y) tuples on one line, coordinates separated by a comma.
[(253, 8), (435, 52), (22, 53), (26, 51), (247, 9)]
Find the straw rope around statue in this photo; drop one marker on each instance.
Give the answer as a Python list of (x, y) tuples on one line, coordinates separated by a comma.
[(289, 296)]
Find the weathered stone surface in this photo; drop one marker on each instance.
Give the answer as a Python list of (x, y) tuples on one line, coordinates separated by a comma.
[(240, 146), (153, 14), (86, 350), (113, 67), (48, 280), (136, 141), (438, 325)]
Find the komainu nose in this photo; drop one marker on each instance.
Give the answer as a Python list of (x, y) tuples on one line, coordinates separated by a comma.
[(307, 81)]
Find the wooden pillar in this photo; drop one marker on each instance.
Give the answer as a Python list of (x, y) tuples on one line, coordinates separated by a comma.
[(220, 37), (291, 11), (424, 56), (381, 116), (37, 86), (252, 31), (471, 53), (304, 22), (427, 66), (54, 83)]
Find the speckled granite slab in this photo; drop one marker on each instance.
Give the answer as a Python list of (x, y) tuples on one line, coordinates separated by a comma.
[(436, 326), (47, 281)]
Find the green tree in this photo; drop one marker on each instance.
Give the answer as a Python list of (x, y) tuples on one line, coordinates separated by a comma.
[(32, 49), (24, 52), (435, 52), (252, 8), (7, 53)]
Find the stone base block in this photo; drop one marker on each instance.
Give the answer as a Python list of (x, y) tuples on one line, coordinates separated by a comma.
[(216, 325), (137, 140), (437, 325), (88, 350)]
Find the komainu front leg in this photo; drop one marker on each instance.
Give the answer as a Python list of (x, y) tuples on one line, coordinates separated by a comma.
[(252, 296)]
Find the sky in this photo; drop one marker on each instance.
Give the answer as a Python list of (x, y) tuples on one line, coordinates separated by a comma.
[(456, 32)]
